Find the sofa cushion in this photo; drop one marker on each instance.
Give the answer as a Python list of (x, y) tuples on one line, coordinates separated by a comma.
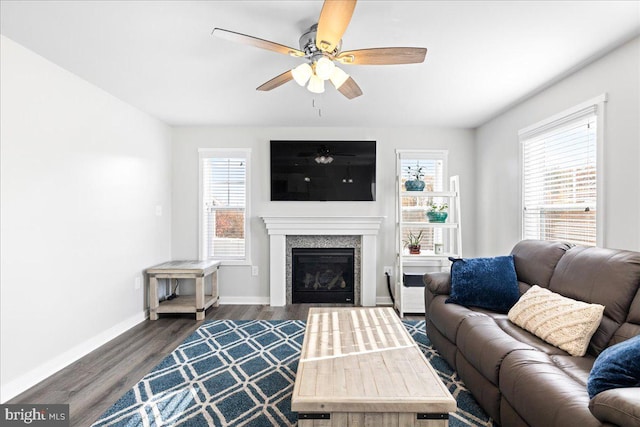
[(483, 391), (543, 392), (447, 318), (484, 282), (616, 367), (535, 260), (577, 368), (526, 337), (561, 321), (438, 283), (484, 345), (588, 273), (631, 327), (619, 406), (446, 348), (634, 310)]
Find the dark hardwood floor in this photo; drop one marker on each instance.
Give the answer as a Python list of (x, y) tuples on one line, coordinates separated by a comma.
[(94, 383)]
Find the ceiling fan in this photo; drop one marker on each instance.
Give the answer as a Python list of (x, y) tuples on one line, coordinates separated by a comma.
[(321, 46)]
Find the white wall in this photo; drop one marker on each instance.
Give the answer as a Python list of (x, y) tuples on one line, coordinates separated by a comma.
[(82, 173), (236, 283), (498, 183)]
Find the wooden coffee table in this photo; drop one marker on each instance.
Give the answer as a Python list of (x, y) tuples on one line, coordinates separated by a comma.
[(360, 367)]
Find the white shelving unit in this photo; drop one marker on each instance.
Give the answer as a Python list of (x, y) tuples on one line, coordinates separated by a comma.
[(411, 216)]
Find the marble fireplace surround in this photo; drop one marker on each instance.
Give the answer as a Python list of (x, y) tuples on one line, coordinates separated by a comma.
[(279, 227), (325, 242)]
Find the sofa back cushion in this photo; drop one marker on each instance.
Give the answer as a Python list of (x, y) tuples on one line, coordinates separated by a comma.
[(535, 261), (631, 327), (602, 276)]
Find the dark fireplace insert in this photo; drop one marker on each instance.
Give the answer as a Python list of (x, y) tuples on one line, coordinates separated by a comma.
[(322, 275)]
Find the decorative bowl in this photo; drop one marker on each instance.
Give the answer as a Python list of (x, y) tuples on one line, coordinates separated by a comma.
[(437, 216), (415, 185)]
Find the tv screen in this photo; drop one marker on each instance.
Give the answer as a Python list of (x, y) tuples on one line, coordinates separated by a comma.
[(323, 170)]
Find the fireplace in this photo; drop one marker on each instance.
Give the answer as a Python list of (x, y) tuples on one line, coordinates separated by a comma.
[(322, 275), (364, 229)]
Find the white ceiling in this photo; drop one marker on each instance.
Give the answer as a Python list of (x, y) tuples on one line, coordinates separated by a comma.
[(483, 56)]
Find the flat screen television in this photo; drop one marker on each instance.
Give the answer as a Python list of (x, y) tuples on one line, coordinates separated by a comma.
[(323, 170)]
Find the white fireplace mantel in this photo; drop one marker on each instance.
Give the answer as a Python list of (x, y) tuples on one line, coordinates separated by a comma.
[(279, 227)]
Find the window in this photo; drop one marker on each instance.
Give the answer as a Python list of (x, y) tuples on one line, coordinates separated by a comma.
[(224, 224), (431, 165), (560, 176)]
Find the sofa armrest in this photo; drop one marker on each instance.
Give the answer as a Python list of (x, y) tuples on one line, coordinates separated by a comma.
[(620, 406), (438, 283)]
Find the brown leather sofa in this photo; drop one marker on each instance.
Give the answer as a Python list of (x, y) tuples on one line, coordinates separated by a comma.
[(519, 379)]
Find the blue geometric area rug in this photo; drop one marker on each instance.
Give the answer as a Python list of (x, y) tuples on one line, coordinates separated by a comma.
[(241, 373)]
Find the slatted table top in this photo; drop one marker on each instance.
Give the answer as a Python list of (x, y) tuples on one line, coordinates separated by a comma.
[(364, 360), (197, 267)]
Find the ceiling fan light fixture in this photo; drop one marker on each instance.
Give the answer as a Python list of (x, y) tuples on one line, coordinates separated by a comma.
[(324, 160), (302, 73), (316, 84), (338, 77), (324, 68)]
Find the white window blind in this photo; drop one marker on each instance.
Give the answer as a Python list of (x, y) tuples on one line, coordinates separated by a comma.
[(224, 205), (560, 177)]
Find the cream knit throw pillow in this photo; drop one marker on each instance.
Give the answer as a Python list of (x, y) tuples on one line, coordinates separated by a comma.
[(566, 323)]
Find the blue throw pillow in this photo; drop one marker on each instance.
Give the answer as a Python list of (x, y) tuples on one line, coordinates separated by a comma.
[(617, 366), (489, 283)]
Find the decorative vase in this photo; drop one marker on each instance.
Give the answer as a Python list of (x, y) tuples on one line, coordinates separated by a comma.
[(414, 250), (434, 216), (415, 185)]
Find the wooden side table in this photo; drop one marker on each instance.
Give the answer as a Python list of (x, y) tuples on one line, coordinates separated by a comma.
[(174, 270)]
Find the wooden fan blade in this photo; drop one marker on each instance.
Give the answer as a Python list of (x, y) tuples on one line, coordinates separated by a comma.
[(276, 81), (256, 42), (350, 89), (383, 56), (333, 22)]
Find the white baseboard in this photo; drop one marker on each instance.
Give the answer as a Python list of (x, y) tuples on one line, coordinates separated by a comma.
[(244, 300), (265, 300), (383, 301), (33, 377)]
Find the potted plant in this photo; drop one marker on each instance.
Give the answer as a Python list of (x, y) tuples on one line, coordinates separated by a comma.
[(416, 183), (437, 212), (413, 242)]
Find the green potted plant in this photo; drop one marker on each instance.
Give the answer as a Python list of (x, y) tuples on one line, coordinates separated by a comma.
[(413, 242), (436, 212), (416, 183)]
